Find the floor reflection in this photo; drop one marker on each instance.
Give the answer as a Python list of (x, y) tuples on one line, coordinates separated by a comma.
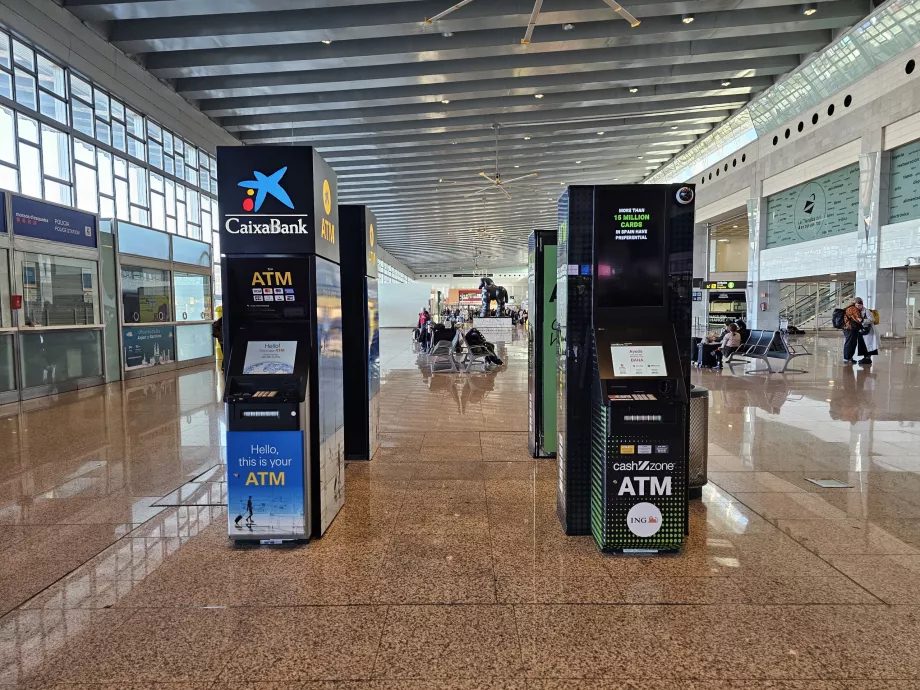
[(447, 561)]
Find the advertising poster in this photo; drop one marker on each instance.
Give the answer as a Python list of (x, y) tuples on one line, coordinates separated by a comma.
[(265, 484), (148, 346), (270, 357), (48, 222)]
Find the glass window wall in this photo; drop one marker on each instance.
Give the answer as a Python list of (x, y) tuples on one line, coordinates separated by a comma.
[(193, 297), (57, 290), (145, 294), (51, 357)]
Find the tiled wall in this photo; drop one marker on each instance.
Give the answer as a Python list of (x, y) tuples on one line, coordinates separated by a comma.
[(835, 254)]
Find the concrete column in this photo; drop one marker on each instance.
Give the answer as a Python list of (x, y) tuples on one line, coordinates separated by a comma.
[(760, 291), (700, 310), (884, 289)]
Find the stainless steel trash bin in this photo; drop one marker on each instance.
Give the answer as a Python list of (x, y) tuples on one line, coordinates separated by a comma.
[(699, 440)]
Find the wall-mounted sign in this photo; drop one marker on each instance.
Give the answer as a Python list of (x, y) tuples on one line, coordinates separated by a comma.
[(823, 207), (720, 285), (697, 296), (904, 193), (49, 222)]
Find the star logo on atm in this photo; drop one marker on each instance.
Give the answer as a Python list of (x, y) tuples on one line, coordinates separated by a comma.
[(262, 186)]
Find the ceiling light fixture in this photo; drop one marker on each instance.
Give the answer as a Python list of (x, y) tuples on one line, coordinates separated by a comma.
[(327, 41), (568, 27), (517, 166), (809, 8), (673, 126), (734, 226), (687, 18), (600, 134), (526, 138), (577, 162), (447, 34), (639, 157), (633, 90), (538, 95), (727, 82), (445, 101)]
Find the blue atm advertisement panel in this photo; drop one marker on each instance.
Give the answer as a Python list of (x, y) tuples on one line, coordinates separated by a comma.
[(265, 484)]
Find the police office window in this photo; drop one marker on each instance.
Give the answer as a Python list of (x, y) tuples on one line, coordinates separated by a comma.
[(57, 290), (145, 294)]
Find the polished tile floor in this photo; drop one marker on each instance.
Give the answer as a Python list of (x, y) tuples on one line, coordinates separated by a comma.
[(447, 567)]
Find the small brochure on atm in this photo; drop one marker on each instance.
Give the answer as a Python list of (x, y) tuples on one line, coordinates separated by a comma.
[(270, 357), (638, 360)]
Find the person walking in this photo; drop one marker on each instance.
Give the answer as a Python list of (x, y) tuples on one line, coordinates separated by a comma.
[(853, 326)]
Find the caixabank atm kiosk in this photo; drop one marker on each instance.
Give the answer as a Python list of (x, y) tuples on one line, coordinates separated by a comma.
[(632, 360), (283, 332)]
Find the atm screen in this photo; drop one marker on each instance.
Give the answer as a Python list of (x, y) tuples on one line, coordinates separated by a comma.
[(630, 257), (637, 360), (270, 357)]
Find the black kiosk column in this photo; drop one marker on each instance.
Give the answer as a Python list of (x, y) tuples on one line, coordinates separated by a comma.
[(361, 332), (634, 362), (282, 328)]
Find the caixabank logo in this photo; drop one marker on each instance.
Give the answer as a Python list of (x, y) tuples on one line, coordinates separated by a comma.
[(257, 190)]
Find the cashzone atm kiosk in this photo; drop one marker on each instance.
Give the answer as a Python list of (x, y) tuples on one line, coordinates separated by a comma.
[(634, 364), (283, 338)]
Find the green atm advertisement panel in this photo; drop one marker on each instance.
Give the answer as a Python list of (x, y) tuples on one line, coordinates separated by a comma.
[(542, 339)]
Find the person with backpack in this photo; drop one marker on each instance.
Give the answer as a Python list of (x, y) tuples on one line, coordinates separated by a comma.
[(853, 317)]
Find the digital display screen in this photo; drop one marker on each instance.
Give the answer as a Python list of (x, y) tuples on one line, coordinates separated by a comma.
[(270, 357), (630, 253), (638, 360)]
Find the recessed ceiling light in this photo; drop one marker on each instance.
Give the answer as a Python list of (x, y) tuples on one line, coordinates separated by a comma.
[(447, 34), (568, 27), (615, 179), (673, 126), (633, 90), (727, 82), (562, 183), (687, 18), (577, 162), (517, 166), (526, 138), (734, 226), (327, 41), (639, 157), (538, 95), (600, 134), (809, 8), (445, 101)]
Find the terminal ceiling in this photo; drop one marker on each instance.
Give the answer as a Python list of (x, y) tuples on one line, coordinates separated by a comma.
[(404, 110)]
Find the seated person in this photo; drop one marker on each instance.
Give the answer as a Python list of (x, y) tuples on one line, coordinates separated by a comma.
[(731, 341)]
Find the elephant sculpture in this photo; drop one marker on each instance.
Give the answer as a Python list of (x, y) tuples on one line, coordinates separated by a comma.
[(492, 291)]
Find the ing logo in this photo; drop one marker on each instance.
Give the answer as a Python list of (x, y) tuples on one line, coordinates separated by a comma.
[(261, 187)]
